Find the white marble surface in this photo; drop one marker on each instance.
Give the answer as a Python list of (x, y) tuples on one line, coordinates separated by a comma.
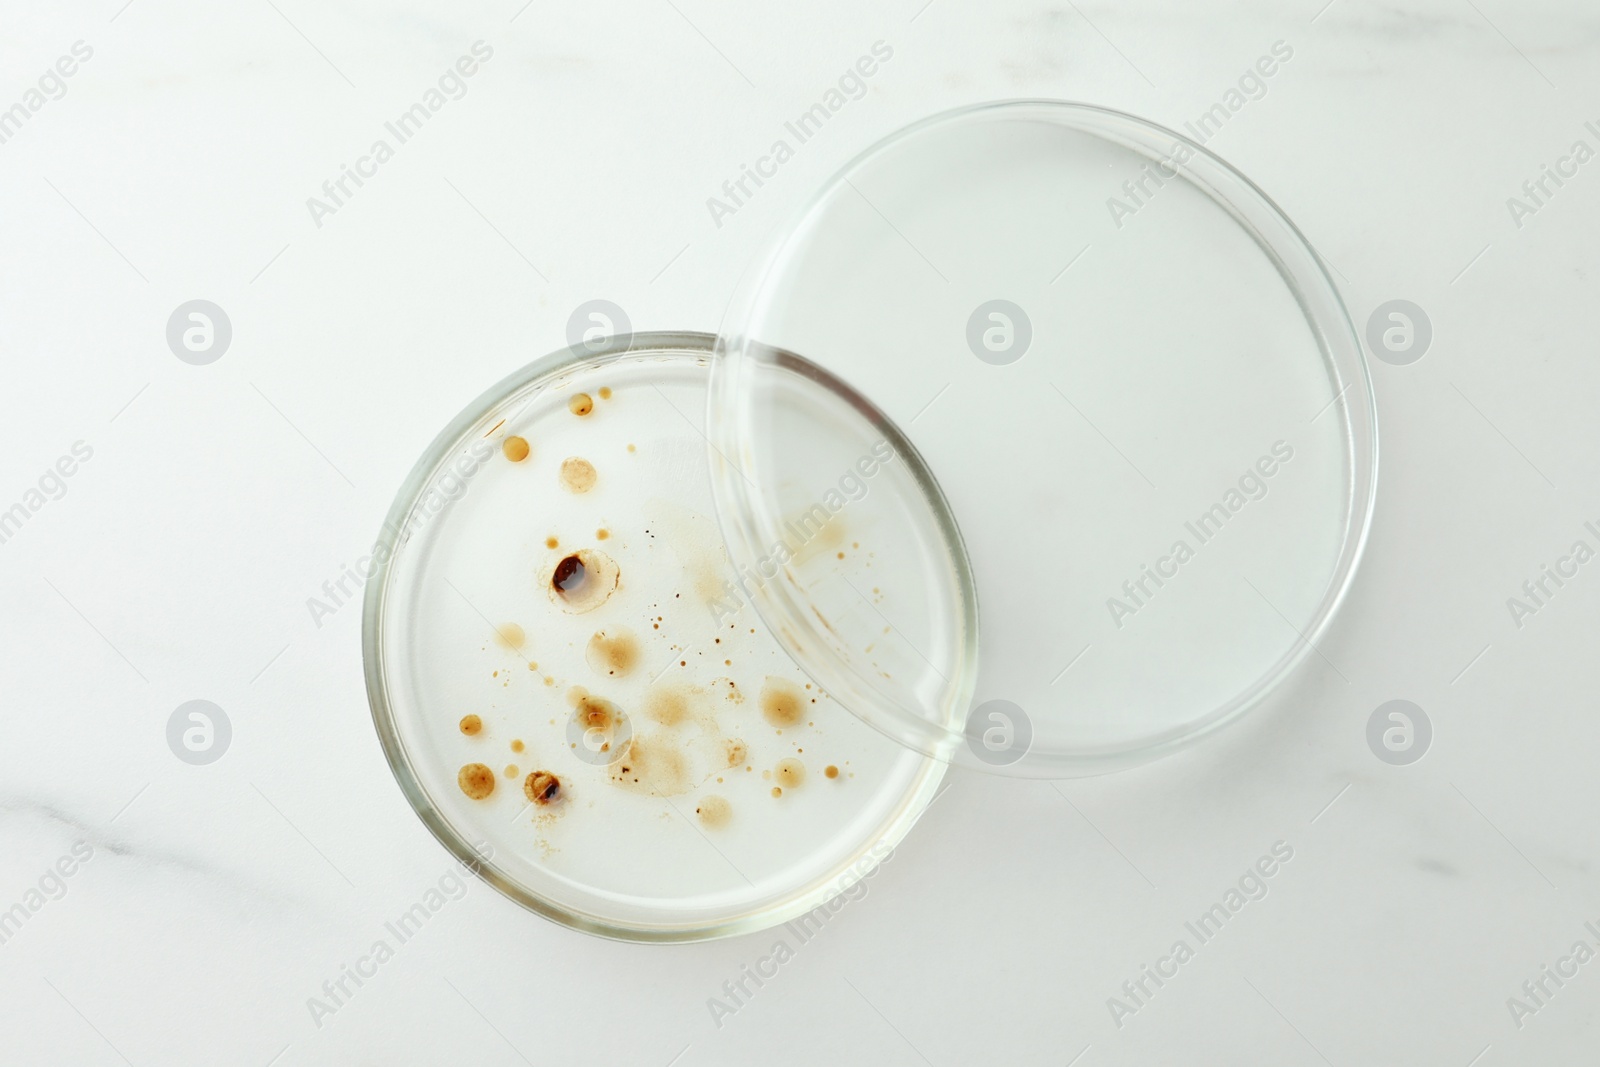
[(178, 563)]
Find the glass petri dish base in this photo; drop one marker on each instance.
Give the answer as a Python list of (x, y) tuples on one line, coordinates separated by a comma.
[(573, 693)]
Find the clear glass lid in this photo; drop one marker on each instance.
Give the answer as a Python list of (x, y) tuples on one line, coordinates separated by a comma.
[(1042, 440)]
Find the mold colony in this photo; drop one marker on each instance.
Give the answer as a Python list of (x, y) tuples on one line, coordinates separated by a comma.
[(515, 448), (613, 653), (476, 780), (542, 787), (683, 734), (578, 475), (714, 811), (782, 703), (581, 581)]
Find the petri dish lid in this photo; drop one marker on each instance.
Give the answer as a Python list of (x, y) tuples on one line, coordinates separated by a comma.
[(1042, 440)]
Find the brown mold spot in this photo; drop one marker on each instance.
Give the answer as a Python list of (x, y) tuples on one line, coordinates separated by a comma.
[(827, 539), (577, 475), (782, 703), (551, 542), (517, 745), (510, 635), (580, 404), (600, 721), (831, 771), (736, 751), (476, 780), (471, 725), (542, 787), (714, 811), (613, 652), (581, 581), (791, 773), (605, 392), (671, 705), (511, 770), (594, 713), (654, 766), (515, 448)]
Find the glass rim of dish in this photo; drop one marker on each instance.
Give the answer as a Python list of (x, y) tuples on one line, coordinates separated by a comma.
[(552, 369)]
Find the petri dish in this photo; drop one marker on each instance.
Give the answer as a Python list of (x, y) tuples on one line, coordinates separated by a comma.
[(1098, 413), (1038, 442), (570, 696)]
